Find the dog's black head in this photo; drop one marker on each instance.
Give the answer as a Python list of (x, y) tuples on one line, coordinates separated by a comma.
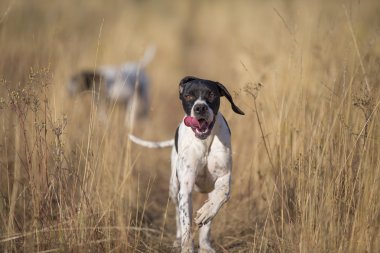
[(201, 100), (85, 80)]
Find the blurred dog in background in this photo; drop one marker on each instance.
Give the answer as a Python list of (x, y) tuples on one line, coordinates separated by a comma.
[(117, 84)]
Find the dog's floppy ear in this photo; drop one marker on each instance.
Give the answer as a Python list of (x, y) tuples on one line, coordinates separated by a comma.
[(224, 92), (90, 78), (183, 82)]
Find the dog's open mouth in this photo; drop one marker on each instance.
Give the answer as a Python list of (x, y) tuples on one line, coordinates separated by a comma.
[(201, 127)]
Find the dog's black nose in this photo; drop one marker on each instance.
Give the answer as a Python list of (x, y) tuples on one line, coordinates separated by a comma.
[(200, 109)]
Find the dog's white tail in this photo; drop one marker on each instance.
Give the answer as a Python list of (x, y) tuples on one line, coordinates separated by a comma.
[(151, 144), (148, 56)]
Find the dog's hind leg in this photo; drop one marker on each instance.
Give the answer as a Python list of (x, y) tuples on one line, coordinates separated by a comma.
[(204, 239)]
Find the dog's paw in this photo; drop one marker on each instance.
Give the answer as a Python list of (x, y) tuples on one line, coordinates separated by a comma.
[(206, 213), (187, 250), (177, 243), (206, 250)]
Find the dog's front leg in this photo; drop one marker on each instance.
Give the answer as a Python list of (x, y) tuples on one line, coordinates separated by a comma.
[(186, 175), (217, 198), (207, 212)]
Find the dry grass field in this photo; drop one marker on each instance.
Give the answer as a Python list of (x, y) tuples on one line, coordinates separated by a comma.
[(306, 170)]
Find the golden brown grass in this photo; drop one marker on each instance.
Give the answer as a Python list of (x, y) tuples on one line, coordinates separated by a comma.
[(306, 155)]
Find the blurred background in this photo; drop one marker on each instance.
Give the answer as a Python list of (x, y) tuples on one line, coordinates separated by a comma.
[(306, 154)]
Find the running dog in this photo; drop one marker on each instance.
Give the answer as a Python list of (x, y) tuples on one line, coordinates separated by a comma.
[(117, 83), (201, 158)]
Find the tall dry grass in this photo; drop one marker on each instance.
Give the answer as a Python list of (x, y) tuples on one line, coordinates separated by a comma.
[(306, 155)]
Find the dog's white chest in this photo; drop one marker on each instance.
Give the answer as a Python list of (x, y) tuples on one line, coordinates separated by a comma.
[(210, 158), (120, 90)]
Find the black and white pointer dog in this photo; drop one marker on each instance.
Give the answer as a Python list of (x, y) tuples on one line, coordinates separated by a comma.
[(117, 83), (201, 158)]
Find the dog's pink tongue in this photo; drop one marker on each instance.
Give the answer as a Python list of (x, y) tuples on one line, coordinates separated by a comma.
[(191, 122)]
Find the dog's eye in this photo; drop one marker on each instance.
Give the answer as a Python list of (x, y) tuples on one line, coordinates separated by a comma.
[(188, 97), (211, 96)]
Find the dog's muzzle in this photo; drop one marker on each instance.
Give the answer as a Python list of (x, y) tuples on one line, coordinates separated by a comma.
[(200, 127)]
